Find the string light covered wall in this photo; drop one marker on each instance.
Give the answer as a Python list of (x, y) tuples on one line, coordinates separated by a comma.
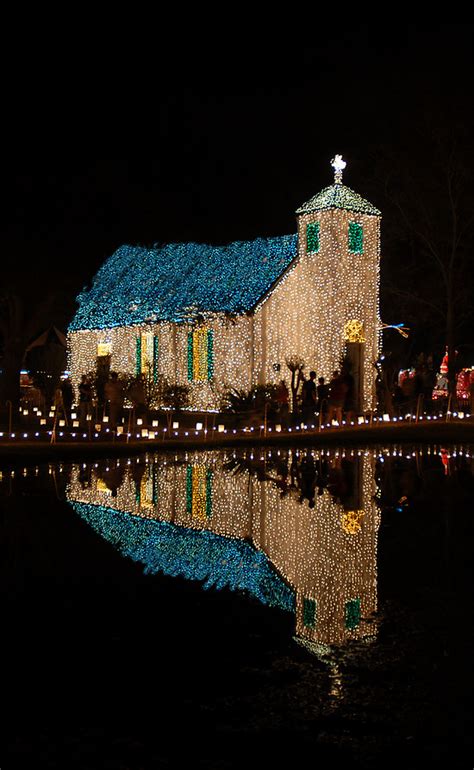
[(339, 250), (216, 317)]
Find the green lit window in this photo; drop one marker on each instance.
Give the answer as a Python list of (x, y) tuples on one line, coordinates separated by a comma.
[(200, 355), (309, 613), (312, 237), (352, 613), (356, 238)]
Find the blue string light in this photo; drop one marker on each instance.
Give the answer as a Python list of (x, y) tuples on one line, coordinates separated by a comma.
[(173, 282), (218, 561)]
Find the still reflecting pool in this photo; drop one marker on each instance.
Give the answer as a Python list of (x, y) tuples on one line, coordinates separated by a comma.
[(335, 602), (297, 531)]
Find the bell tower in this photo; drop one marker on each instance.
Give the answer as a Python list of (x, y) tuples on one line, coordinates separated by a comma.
[(339, 246)]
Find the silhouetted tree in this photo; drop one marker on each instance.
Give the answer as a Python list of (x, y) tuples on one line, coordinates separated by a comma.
[(428, 232), (296, 365), (45, 364), (20, 319)]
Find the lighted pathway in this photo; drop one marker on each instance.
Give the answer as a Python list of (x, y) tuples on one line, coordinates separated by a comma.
[(24, 443)]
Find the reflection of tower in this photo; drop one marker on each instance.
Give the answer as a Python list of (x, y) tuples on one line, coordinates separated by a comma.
[(328, 555), (338, 588)]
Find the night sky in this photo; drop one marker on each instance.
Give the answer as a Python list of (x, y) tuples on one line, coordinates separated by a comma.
[(139, 138)]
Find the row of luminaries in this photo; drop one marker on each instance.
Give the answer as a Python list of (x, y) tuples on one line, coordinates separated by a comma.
[(34, 424)]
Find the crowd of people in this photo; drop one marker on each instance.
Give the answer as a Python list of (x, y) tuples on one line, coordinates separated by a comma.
[(330, 401), (96, 400), (313, 399)]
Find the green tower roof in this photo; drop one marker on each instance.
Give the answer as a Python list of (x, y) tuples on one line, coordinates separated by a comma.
[(338, 196)]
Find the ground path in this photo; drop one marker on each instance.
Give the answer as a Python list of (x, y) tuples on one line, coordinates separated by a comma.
[(40, 448)]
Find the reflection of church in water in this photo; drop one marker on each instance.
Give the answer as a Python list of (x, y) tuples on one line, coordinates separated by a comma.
[(250, 524)]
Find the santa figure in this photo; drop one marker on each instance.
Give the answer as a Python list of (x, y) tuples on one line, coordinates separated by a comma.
[(444, 363)]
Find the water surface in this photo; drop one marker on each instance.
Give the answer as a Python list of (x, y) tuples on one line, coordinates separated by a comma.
[(245, 599)]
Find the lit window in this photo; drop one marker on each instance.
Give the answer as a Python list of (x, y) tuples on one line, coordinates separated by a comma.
[(104, 349), (200, 355), (147, 355), (148, 492), (312, 237), (356, 238)]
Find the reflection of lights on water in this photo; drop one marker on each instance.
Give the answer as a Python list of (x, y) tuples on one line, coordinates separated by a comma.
[(241, 506), (335, 678), (351, 521)]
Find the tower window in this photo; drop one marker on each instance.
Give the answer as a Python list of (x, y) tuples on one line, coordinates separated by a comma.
[(356, 238), (312, 237), (352, 613)]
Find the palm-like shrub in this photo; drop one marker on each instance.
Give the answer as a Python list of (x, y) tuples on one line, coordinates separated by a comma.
[(237, 401)]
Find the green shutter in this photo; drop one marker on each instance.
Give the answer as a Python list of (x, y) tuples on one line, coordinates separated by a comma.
[(190, 356), (155, 359), (210, 354), (309, 613), (352, 613), (189, 489), (208, 493), (356, 238), (138, 356), (312, 237), (154, 485)]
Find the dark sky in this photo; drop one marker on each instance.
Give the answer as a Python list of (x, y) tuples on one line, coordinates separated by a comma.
[(136, 138)]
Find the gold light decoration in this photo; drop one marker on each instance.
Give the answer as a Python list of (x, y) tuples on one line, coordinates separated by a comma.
[(354, 331), (350, 521)]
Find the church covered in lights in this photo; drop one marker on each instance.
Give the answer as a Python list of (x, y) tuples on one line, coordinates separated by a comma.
[(213, 317)]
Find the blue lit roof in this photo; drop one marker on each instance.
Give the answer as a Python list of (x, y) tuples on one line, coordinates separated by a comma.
[(338, 196), (176, 281), (195, 554)]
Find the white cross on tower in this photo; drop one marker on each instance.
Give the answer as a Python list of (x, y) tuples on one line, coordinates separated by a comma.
[(338, 165)]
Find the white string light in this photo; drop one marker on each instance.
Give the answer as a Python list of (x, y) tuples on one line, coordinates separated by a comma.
[(304, 314)]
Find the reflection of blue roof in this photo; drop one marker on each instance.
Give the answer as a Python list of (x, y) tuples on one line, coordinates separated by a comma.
[(195, 554), (171, 282)]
